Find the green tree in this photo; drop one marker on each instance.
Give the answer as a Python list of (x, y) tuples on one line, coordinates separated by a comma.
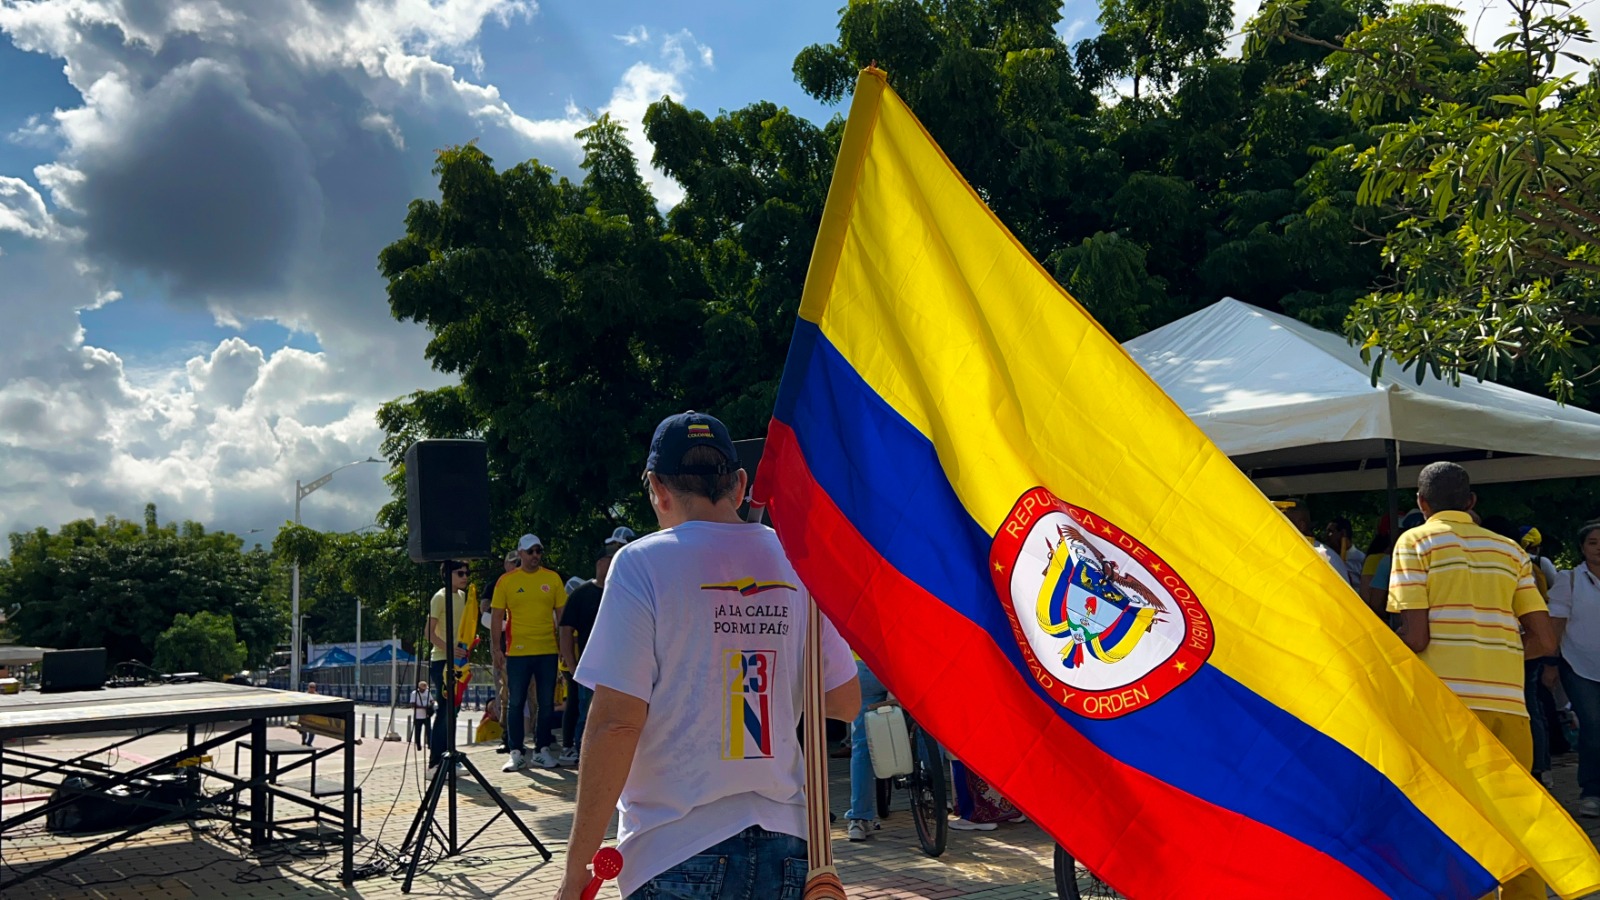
[(1151, 41), (577, 316), (567, 311), (119, 585), (204, 642), (338, 569), (1485, 169)]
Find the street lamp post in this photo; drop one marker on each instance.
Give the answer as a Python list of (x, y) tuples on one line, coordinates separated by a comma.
[(300, 493)]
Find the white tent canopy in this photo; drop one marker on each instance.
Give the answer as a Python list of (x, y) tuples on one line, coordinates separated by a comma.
[(1296, 409)]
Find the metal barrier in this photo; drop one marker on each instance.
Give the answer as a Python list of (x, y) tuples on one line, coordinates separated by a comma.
[(376, 688)]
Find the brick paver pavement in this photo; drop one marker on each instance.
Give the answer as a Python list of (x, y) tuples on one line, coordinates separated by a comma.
[(204, 861)]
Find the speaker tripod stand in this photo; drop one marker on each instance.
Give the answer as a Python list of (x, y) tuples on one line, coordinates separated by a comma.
[(425, 825)]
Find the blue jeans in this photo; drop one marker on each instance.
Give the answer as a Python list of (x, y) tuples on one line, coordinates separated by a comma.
[(863, 784), (1541, 736), (439, 737), (520, 670), (1585, 697), (754, 864)]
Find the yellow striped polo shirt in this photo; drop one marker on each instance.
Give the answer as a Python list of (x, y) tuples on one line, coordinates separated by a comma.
[(1474, 584)]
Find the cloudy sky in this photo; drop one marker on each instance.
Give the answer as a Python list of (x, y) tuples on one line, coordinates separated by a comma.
[(193, 194)]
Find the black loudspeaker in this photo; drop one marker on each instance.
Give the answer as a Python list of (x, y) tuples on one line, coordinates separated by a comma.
[(90, 807), (72, 670), (447, 500)]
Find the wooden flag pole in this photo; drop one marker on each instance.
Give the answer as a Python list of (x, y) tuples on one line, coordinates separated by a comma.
[(822, 880)]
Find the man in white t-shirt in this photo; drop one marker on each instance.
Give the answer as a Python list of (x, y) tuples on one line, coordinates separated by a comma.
[(1297, 513), (696, 664), (1575, 611)]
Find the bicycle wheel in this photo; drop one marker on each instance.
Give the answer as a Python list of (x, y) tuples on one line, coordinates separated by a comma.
[(885, 792), (1073, 883), (927, 785)]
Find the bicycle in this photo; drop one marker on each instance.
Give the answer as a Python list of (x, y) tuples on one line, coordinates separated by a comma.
[(927, 788), (1073, 883)]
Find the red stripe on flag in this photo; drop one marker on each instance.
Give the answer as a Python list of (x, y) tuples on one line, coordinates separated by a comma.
[(1117, 820)]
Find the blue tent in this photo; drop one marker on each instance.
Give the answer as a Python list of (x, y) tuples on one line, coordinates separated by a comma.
[(385, 654), (335, 657)]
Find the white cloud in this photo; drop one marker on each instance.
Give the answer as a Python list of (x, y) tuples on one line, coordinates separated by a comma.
[(34, 132), (22, 210), (636, 35), (384, 125)]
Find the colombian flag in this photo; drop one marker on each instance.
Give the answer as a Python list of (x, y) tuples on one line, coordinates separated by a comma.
[(1084, 599)]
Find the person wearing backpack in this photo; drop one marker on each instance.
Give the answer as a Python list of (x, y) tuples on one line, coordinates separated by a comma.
[(1575, 613)]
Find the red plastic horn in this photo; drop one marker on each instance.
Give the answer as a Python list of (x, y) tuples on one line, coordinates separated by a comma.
[(607, 865)]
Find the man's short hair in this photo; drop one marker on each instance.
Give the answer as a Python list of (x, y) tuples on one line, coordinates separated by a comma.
[(450, 565), (713, 487), (1341, 525), (1445, 485), (1295, 510)]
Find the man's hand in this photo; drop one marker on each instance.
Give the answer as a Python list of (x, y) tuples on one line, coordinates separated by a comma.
[(1549, 676), (573, 883)]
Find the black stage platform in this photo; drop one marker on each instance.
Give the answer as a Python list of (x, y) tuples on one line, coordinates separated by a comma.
[(246, 802)]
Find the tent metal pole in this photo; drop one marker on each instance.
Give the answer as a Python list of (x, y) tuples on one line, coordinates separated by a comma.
[(1391, 458)]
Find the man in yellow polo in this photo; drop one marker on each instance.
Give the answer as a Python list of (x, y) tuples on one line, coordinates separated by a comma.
[(1467, 602), (523, 617)]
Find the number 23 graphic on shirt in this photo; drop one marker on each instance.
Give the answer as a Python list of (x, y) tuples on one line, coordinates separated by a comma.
[(747, 716)]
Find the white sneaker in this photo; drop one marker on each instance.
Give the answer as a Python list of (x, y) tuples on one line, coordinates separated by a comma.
[(545, 759), (856, 831), (1589, 807), (513, 762), (569, 757), (966, 825)]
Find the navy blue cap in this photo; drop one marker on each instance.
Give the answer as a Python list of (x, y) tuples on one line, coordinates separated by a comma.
[(676, 435)]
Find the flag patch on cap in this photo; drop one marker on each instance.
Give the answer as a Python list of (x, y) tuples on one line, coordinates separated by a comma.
[(699, 431)]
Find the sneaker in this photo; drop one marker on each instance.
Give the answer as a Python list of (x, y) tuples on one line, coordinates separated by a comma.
[(966, 825), (545, 759), (513, 763), (569, 756), (1589, 807), (856, 831)]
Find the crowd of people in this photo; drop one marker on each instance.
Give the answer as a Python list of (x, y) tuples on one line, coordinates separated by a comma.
[(703, 781), (1474, 596)]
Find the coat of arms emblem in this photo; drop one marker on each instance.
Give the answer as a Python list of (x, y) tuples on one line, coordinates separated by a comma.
[(1105, 626)]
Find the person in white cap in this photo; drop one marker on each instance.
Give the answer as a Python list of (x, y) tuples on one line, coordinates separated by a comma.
[(523, 615), (622, 535)]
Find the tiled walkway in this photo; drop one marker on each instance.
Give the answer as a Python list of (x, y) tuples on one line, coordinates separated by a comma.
[(1011, 863)]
